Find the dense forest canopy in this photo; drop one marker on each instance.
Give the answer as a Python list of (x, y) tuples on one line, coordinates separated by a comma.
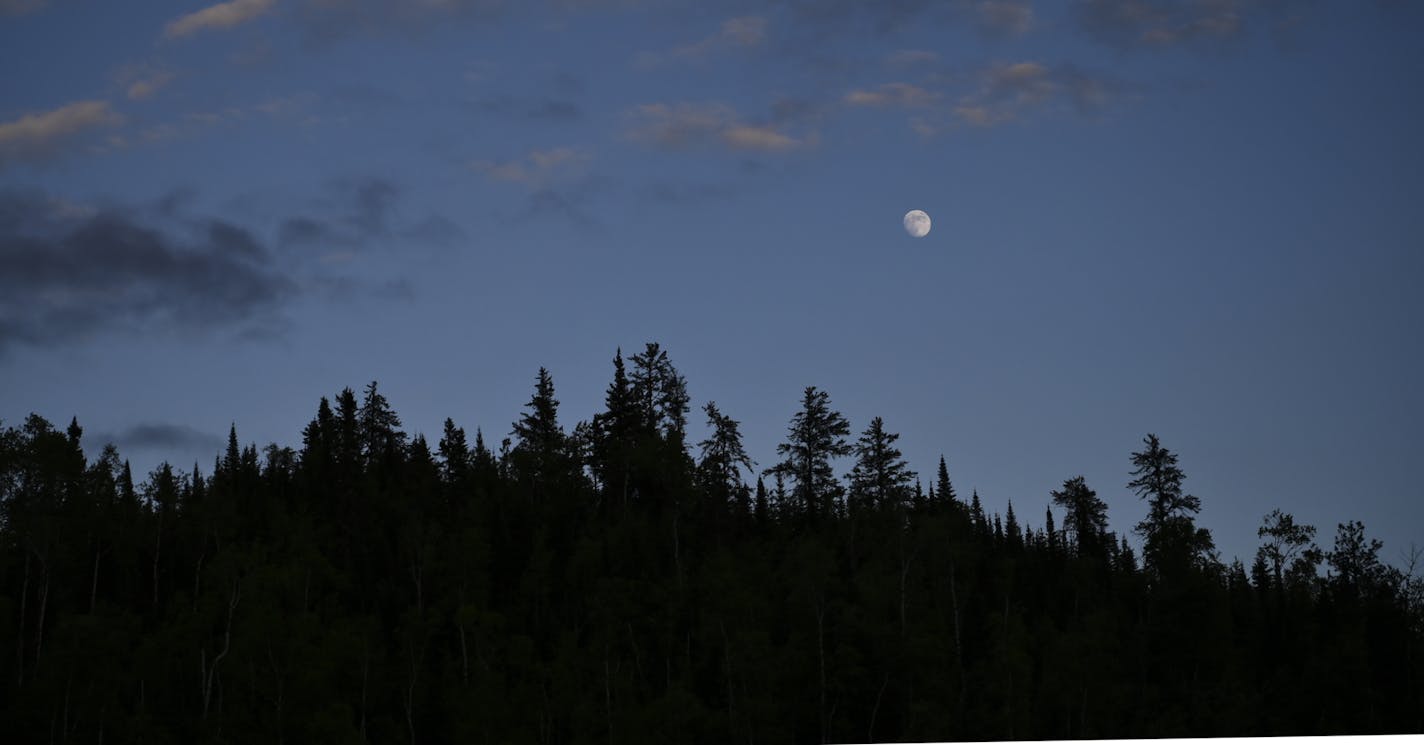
[(612, 582)]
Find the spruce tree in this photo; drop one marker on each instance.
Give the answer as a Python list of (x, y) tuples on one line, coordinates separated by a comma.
[(976, 516), (880, 477), (378, 428), (1013, 533), (454, 452), (541, 439), (944, 490), (816, 436)]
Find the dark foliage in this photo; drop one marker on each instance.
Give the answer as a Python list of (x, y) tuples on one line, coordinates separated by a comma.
[(600, 584)]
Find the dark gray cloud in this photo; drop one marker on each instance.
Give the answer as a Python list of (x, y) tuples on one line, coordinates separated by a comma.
[(669, 192), (162, 436), (550, 109), (68, 272), (359, 213), (547, 203)]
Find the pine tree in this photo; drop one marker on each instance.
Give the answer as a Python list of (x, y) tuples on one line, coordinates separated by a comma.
[(659, 394), (760, 510), (1172, 541), (817, 435), (1085, 517), (723, 456)]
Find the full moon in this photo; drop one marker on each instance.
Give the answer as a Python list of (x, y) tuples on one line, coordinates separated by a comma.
[(917, 223)]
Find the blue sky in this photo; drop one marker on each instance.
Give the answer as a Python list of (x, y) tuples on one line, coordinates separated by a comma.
[(1198, 218)]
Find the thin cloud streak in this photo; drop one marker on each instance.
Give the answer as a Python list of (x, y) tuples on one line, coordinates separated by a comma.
[(217, 17), (689, 125), (39, 136)]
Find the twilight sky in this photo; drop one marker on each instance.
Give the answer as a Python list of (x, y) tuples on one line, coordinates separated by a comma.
[(1199, 218)]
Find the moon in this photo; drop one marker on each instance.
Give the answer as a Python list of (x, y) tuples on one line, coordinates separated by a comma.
[(917, 223)]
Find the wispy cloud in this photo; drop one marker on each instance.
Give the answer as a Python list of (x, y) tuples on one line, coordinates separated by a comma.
[(740, 32), (892, 94), (360, 213), (1008, 92), (20, 7), (1003, 17), (911, 57), (743, 31), (994, 95), (764, 137), (1156, 23), (686, 125), (330, 20), (164, 436), (557, 182), (217, 17), (538, 168), (534, 109), (35, 137), (141, 82)]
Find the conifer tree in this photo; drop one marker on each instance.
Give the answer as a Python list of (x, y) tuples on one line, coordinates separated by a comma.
[(944, 490), (615, 436), (1172, 541), (723, 456), (1085, 517), (659, 394), (454, 452), (541, 439), (1013, 534), (976, 515), (378, 428), (816, 436), (880, 477)]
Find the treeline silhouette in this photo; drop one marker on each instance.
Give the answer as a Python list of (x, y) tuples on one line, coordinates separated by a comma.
[(614, 583)]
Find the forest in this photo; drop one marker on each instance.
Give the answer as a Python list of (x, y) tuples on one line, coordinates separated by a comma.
[(614, 582)]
